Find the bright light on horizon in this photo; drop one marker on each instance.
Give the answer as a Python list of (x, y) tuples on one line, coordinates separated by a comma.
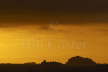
[(64, 41)]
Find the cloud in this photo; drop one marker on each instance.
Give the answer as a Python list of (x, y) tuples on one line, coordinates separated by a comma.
[(44, 11), (55, 5)]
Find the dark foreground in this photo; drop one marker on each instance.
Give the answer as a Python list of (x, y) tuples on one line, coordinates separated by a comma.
[(51, 68)]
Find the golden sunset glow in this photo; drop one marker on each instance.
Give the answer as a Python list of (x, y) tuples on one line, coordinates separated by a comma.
[(35, 43)]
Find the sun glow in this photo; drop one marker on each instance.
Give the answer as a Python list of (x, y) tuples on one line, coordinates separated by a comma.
[(31, 43)]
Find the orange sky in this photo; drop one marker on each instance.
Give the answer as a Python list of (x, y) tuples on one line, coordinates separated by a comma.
[(53, 42)]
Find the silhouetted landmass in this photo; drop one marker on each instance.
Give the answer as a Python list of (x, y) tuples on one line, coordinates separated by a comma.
[(78, 60), (30, 63), (50, 63), (74, 64)]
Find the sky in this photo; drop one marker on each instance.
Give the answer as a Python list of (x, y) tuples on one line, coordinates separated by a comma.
[(55, 30)]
